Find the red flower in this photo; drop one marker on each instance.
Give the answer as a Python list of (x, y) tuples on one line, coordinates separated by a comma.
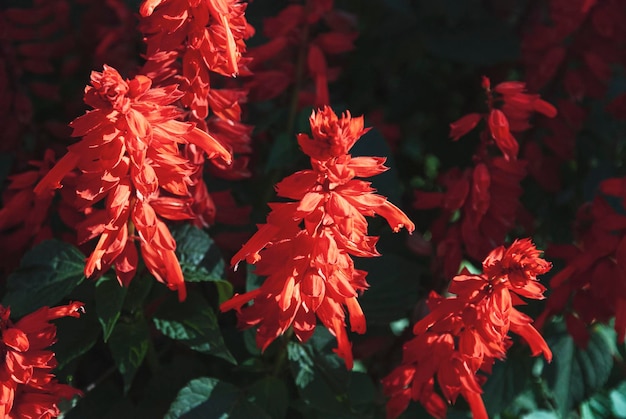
[(23, 218), (465, 334), (129, 156), (291, 41), (590, 288), (304, 248), (27, 385)]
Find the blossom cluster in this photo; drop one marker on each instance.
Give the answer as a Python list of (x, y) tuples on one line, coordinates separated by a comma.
[(462, 336), (304, 248), (129, 157), (590, 288), (27, 385), (487, 194)]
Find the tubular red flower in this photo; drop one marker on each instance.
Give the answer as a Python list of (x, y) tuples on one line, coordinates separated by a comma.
[(464, 334), (128, 155), (304, 248), (27, 384)]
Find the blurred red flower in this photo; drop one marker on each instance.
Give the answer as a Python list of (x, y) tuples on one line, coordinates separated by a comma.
[(27, 385)]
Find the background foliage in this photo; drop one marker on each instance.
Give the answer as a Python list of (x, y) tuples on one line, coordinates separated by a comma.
[(416, 67)]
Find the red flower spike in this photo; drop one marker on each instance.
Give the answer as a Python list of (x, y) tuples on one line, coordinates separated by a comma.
[(128, 155), (304, 248), (464, 334), (28, 386)]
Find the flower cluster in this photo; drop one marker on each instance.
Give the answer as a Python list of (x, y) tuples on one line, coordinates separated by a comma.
[(462, 336), (295, 43), (27, 385), (591, 288), (487, 194), (194, 44), (572, 52), (24, 214), (130, 158), (310, 273)]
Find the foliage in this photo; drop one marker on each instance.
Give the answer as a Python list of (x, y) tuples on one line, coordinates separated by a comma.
[(311, 209)]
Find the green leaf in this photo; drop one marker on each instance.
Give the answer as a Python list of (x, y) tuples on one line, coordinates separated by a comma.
[(271, 395), (129, 345), (200, 259), (109, 302), (618, 401), (301, 363), (281, 154), (598, 406), (208, 397), (194, 323), (47, 273), (137, 292), (507, 380), (577, 373), (326, 388)]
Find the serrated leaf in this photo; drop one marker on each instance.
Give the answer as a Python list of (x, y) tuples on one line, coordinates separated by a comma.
[(200, 259), (598, 406), (301, 363), (208, 397), (618, 400), (194, 323), (47, 273), (128, 344), (326, 388), (507, 380), (109, 302), (577, 373), (271, 395)]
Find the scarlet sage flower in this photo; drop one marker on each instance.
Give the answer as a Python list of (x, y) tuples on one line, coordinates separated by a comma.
[(304, 248), (130, 157), (465, 334), (24, 214), (194, 44), (486, 195), (294, 37), (516, 107), (27, 385), (590, 288)]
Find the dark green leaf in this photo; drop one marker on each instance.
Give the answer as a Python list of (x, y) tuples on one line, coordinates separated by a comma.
[(271, 395), (598, 406), (47, 274), (192, 322), (137, 292), (200, 259), (284, 148), (109, 301), (577, 373), (327, 389), (506, 381), (207, 397), (301, 362), (129, 345), (618, 401)]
